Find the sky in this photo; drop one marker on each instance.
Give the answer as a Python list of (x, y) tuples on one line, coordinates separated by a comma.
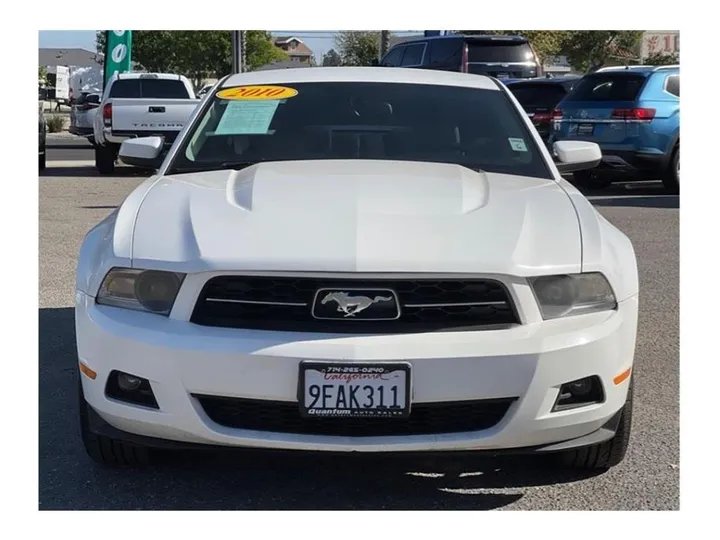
[(319, 42)]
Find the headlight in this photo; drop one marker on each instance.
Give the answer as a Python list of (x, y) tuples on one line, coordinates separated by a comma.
[(575, 294), (143, 290)]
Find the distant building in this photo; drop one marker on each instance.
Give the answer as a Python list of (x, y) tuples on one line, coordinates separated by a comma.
[(295, 49), (558, 65), (68, 57)]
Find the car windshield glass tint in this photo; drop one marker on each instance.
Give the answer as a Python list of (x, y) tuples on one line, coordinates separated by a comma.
[(149, 88), (538, 96), (477, 128), (499, 52), (607, 87)]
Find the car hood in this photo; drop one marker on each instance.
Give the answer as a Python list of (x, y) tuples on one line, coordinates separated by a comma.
[(357, 216)]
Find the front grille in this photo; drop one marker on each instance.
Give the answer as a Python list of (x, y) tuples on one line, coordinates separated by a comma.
[(286, 303), (424, 419)]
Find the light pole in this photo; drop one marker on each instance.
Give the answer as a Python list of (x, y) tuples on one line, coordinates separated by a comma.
[(384, 42), (238, 51)]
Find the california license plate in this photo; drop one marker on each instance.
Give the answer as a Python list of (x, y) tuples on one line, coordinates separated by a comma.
[(585, 129), (354, 390)]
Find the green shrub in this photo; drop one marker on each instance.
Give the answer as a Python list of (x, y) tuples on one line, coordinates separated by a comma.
[(55, 123)]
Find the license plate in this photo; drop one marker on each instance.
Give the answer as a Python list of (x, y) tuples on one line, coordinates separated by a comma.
[(503, 76), (585, 129), (354, 390)]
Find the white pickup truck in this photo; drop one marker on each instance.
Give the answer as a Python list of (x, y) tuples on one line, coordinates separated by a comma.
[(140, 105)]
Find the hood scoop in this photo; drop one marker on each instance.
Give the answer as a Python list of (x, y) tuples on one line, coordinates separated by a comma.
[(381, 188)]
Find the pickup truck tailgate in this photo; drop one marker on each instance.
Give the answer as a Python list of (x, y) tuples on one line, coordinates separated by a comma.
[(151, 115)]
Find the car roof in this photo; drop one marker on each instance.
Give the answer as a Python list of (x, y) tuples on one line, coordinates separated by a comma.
[(472, 37), (643, 70), (362, 74), (141, 75), (544, 80)]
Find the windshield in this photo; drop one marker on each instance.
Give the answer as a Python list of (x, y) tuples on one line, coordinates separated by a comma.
[(607, 87), (149, 88), (480, 129), (538, 96), (491, 51)]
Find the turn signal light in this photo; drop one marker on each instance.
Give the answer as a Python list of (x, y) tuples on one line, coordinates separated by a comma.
[(89, 373), (622, 377)]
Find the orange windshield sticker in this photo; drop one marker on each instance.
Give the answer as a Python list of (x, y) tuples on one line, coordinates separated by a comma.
[(257, 92)]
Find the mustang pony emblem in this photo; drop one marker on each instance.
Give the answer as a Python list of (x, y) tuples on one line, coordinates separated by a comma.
[(351, 305)]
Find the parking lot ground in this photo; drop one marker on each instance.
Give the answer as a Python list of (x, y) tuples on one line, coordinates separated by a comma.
[(72, 201)]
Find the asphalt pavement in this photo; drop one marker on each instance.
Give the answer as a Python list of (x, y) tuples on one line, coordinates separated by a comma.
[(64, 149), (72, 200)]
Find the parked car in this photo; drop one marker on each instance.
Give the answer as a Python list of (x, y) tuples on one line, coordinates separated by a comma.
[(42, 139), (539, 97), (204, 90), (82, 114), (357, 260), (503, 57), (137, 105), (633, 113)]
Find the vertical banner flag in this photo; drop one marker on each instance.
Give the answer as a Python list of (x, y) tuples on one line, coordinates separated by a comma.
[(118, 46)]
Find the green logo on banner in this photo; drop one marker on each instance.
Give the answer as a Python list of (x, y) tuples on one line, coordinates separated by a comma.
[(117, 52)]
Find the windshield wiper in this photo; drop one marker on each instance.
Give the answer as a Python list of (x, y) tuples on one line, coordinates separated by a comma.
[(205, 167), (238, 164)]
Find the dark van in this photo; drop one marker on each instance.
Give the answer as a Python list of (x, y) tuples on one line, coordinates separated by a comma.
[(502, 57)]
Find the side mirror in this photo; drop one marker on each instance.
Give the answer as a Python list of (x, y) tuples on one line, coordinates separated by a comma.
[(143, 152), (576, 156)]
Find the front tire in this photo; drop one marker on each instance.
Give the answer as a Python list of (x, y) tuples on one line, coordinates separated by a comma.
[(607, 454), (671, 179), (105, 159), (104, 450), (592, 180)]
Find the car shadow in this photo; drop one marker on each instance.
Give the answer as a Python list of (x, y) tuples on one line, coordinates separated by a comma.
[(639, 194), (90, 172), (255, 480), (656, 201)]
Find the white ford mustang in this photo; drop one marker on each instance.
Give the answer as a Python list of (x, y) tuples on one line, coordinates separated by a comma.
[(357, 260)]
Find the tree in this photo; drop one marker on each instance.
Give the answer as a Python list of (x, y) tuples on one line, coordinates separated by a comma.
[(197, 54), (42, 75), (260, 50), (358, 48), (331, 58), (547, 43), (589, 50), (662, 59)]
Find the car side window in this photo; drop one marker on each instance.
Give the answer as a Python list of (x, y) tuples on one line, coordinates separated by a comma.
[(672, 85), (393, 58), (413, 54), (445, 52)]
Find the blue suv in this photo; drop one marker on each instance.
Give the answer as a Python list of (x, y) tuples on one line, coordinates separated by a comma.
[(633, 113)]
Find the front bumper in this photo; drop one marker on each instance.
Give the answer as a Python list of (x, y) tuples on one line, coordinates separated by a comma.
[(528, 362)]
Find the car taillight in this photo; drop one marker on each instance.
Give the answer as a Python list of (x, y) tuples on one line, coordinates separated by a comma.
[(107, 114), (542, 116), (633, 114), (557, 114)]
